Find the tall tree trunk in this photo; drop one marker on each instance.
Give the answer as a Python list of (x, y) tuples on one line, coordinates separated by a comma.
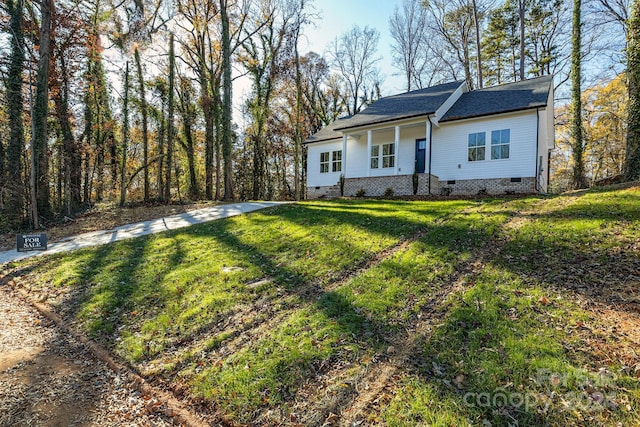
[(218, 159), (297, 132), (206, 102), (15, 103), (187, 110), (144, 112), (478, 44), (521, 16), (86, 198), (71, 150), (258, 175), (467, 66), (227, 83), (125, 136), (577, 140), (217, 117), (41, 114), (170, 114), (3, 173), (161, 157), (632, 158)]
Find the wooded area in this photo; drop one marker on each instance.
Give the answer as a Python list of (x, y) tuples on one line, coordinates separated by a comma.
[(133, 100)]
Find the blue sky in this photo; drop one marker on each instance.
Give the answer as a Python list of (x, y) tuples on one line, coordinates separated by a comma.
[(338, 16)]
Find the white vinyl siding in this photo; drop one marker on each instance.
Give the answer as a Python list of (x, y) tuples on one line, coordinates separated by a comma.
[(316, 178), (451, 148)]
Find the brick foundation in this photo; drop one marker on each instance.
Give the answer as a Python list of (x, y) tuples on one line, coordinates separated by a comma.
[(326, 191), (402, 185), (497, 186)]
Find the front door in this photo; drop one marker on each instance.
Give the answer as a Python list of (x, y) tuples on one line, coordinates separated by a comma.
[(421, 151)]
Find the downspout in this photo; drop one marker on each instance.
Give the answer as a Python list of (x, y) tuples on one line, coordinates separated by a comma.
[(537, 149), (430, 150)]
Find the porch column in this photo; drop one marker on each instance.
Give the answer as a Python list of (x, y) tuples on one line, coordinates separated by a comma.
[(397, 147), (344, 155), (369, 141), (427, 152)]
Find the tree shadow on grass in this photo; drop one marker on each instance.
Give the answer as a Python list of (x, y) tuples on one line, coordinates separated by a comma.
[(355, 323), (106, 283), (508, 354), (359, 326)]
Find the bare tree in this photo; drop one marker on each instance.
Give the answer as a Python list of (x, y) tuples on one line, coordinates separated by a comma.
[(202, 56), (301, 18), (411, 51), (453, 24), (354, 55), (616, 11)]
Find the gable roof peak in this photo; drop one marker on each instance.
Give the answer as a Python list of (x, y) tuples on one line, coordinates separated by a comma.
[(504, 98)]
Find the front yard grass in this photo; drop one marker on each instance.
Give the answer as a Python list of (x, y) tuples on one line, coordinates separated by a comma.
[(282, 316)]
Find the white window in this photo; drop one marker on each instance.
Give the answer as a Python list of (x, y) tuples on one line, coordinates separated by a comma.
[(375, 156), (324, 162), (476, 146), (500, 140), (387, 158), (388, 155), (336, 165)]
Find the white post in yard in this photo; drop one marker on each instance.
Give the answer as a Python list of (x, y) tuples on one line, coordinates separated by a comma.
[(369, 141), (396, 148)]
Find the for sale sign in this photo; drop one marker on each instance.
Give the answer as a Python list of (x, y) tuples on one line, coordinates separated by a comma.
[(32, 242)]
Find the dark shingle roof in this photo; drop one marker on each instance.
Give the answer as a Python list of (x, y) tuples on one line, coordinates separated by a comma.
[(328, 132), (405, 105), (522, 95)]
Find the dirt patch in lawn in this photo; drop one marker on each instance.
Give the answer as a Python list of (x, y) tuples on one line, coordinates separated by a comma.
[(47, 378)]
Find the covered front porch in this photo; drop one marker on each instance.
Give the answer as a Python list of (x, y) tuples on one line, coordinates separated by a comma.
[(385, 151)]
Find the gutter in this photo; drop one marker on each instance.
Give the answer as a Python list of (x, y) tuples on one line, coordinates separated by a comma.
[(430, 150), (537, 149)]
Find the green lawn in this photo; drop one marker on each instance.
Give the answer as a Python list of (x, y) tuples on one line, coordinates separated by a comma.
[(484, 311)]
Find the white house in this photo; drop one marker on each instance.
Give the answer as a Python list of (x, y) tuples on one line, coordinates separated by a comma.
[(439, 141)]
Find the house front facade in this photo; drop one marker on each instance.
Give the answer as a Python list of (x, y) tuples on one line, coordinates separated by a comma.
[(443, 140)]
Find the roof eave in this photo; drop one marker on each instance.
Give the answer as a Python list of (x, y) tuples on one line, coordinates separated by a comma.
[(380, 122), (476, 116), (320, 140)]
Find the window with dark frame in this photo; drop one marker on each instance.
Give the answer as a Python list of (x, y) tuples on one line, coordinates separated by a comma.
[(388, 155), (336, 165), (375, 156), (324, 162)]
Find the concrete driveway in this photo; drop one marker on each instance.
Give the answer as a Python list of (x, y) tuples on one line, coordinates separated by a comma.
[(130, 231)]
